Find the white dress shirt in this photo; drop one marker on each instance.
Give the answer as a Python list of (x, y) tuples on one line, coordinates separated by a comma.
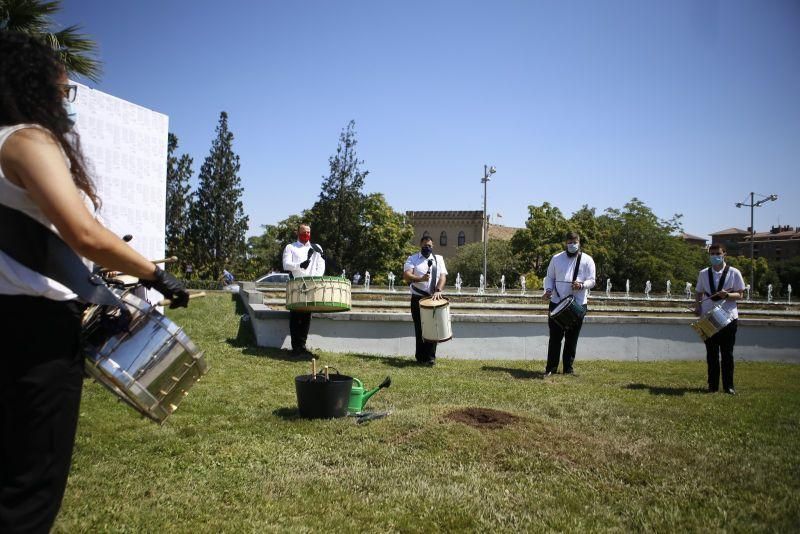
[(296, 253), (734, 283), (560, 273), (419, 267)]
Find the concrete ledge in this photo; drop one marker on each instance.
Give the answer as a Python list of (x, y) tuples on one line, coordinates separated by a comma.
[(486, 336)]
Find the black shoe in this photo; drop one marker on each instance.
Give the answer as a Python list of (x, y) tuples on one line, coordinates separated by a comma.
[(730, 391), (430, 363), (569, 372), (303, 353), (712, 390)]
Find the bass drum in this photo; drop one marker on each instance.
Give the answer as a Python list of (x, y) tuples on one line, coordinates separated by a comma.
[(142, 357), (320, 294)]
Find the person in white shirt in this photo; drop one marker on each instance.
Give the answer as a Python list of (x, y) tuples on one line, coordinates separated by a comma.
[(302, 258), (426, 274), (570, 272), (719, 284)]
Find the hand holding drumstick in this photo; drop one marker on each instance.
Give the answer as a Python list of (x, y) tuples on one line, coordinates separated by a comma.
[(722, 294)]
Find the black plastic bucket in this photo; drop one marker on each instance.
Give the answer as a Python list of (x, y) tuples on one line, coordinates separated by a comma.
[(321, 398)]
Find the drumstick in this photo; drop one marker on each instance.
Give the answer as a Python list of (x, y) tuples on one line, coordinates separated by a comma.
[(708, 297), (167, 302), (171, 259)]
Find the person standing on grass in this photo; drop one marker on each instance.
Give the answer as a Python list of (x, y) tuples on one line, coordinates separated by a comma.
[(570, 272), (426, 275), (49, 238), (722, 285), (302, 258)]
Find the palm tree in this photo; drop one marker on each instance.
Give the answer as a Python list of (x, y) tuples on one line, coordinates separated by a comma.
[(34, 17)]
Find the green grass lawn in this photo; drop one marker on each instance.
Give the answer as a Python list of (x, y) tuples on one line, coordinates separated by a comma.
[(621, 446)]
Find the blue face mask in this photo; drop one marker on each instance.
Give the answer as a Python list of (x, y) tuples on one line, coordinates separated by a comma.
[(426, 251), (72, 113), (572, 248), (717, 260)]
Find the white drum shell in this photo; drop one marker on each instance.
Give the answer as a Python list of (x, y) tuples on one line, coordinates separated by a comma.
[(435, 320)]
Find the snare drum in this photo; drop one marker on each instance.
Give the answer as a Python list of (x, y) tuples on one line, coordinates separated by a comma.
[(434, 316), (321, 294), (150, 363), (712, 322), (568, 314)]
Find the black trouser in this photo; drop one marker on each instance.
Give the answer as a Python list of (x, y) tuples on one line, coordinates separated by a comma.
[(720, 346), (426, 350), (299, 323), (41, 374), (570, 338)]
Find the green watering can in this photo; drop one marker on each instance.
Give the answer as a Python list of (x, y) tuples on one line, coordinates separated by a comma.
[(359, 397)]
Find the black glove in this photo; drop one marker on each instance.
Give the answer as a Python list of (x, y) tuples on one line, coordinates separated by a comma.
[(170, 287), (304, 264)]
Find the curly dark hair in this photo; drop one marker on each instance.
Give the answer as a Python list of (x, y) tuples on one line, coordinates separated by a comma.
[(29, 94)]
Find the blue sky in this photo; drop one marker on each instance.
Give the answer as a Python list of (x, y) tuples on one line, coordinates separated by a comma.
[(687, 105)]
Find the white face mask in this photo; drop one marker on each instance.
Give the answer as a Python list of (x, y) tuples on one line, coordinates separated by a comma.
[(572, 248), (72, 113)]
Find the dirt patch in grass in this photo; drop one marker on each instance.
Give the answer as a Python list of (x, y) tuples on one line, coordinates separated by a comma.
[(482, 417)]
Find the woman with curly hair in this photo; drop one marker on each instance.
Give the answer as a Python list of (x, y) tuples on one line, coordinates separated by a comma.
[(44, 185)]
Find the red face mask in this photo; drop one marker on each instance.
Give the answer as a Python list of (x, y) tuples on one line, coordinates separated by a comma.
[(304, 237)]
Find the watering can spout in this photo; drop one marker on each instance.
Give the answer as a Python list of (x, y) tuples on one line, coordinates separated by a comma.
[(385, 384)]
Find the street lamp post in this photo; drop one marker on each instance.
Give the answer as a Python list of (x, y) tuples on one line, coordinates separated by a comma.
[(488, 171), (754, 204)]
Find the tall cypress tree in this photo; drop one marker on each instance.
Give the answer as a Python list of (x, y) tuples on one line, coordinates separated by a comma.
[(218, 222), (179, 199), (336, 220)]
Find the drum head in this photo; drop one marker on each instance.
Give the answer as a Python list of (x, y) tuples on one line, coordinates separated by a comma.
[(562, 305), (430, 303)]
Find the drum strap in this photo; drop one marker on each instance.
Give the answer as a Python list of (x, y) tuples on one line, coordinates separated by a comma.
[(574, 274), (434, 276), (721, 280), (39, 249)]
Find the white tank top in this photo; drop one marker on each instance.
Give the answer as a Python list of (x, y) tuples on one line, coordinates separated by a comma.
[(15, 278)]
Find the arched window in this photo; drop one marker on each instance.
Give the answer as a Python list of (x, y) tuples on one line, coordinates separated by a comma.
[(462, 238), (443, 239)]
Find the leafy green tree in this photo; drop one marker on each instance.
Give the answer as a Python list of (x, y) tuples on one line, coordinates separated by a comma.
[(542, 237), (384, 240), (764, 275), (336, 216), (644, 247), (218, 222), (263, 254), (34, 17), (179, 200), (789, 273), (499, 261)]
